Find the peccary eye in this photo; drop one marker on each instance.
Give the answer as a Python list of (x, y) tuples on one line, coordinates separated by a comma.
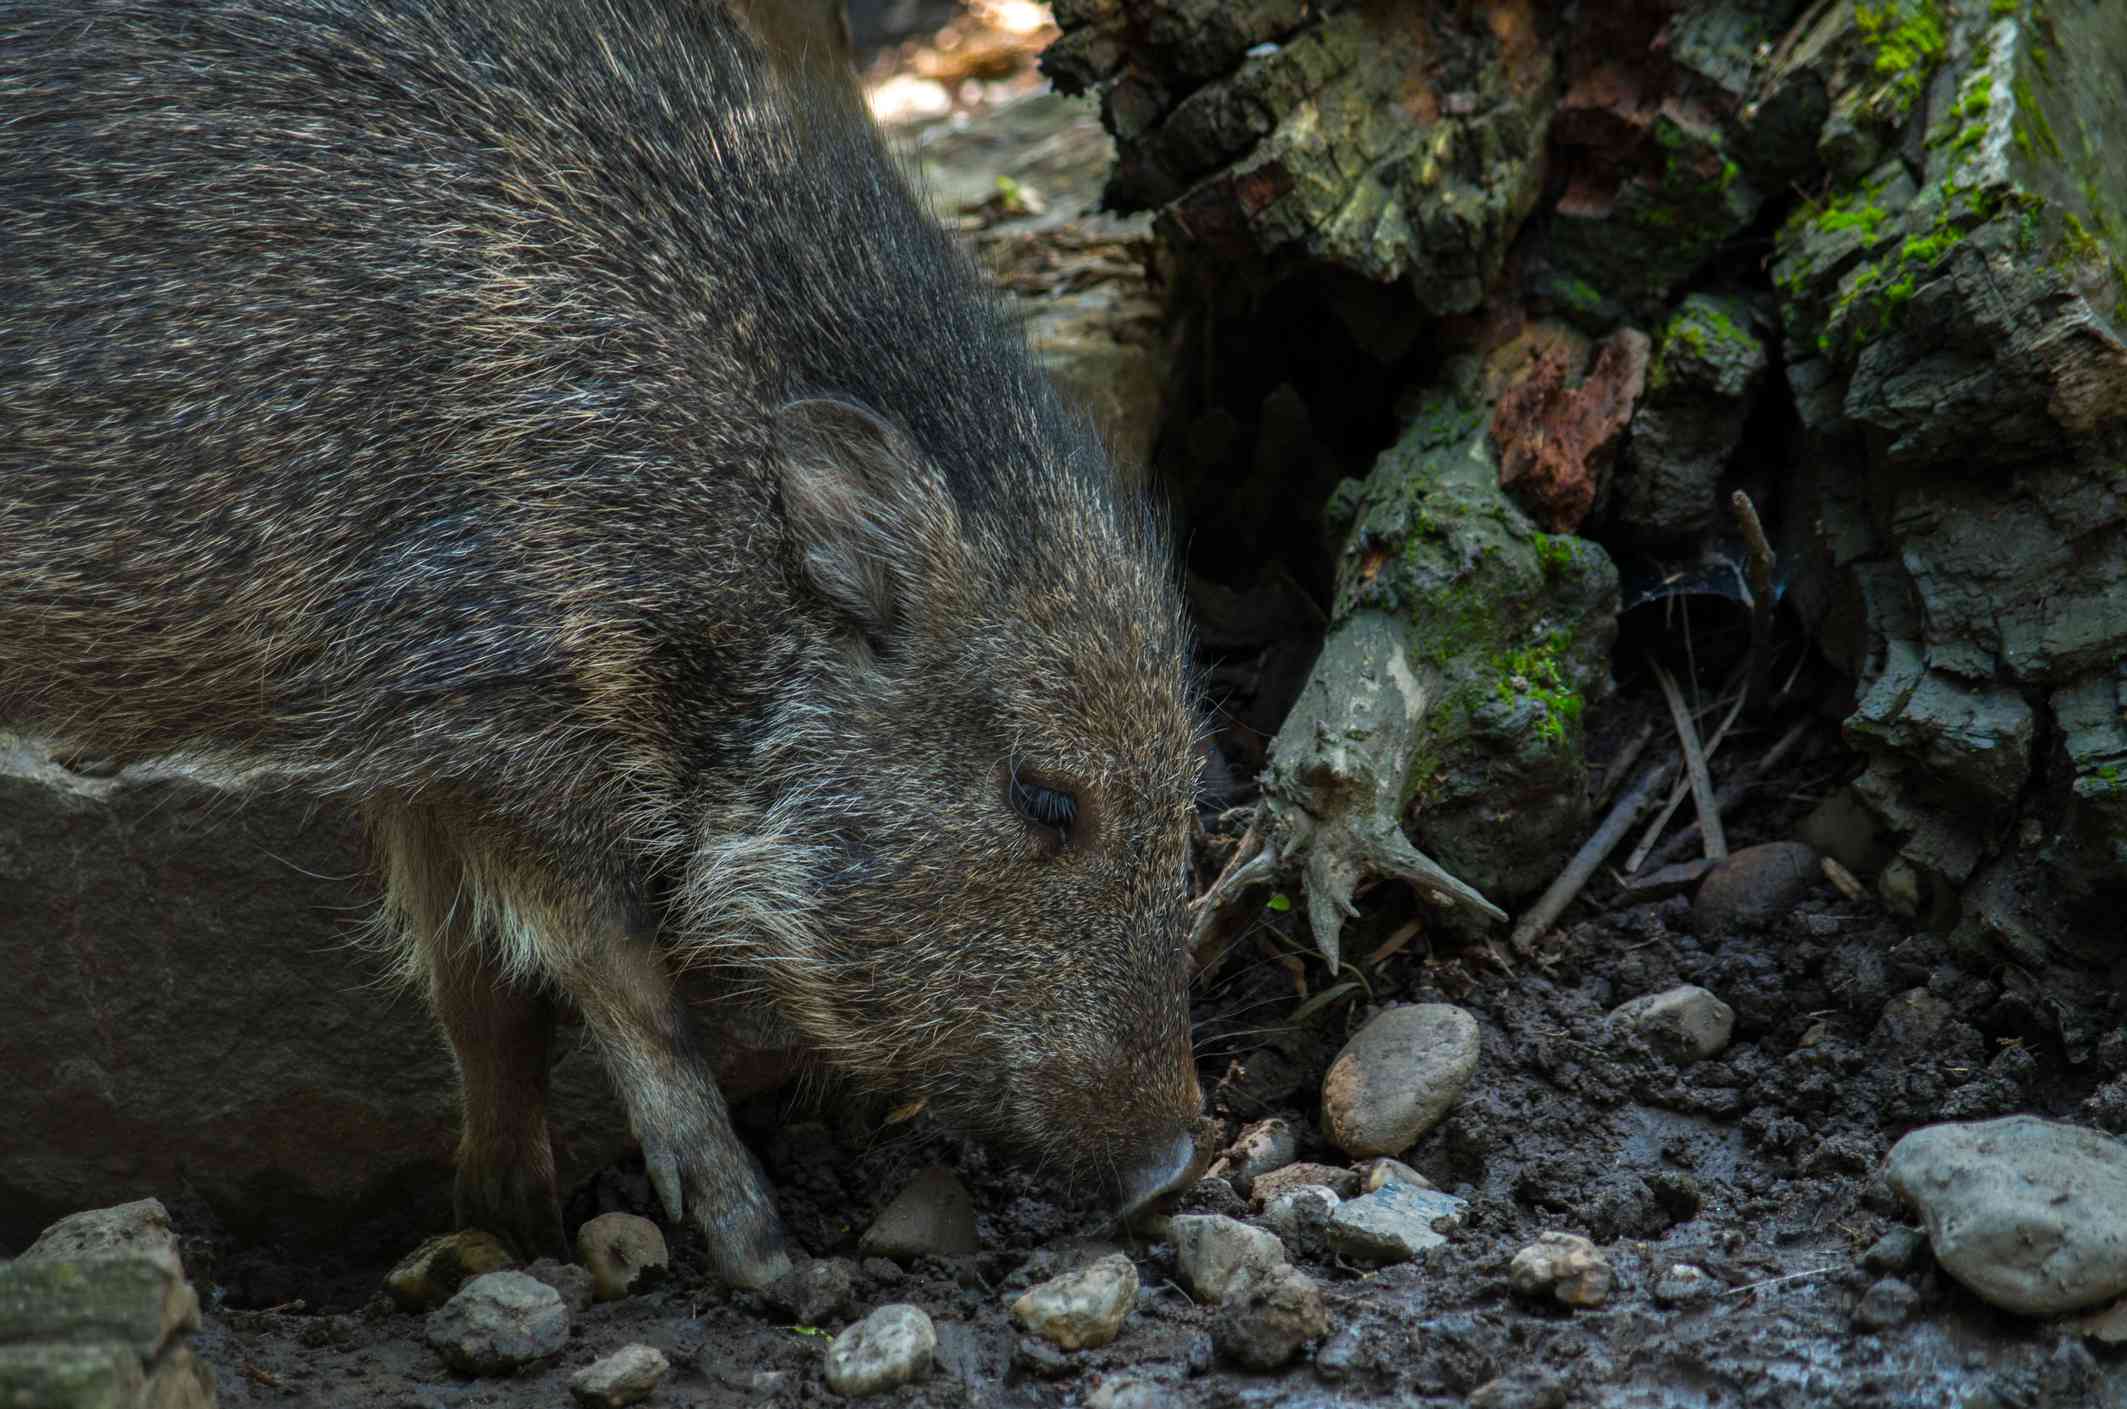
[(1043, 806)]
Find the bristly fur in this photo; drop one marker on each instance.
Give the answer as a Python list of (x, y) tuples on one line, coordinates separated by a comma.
[(552, 427)]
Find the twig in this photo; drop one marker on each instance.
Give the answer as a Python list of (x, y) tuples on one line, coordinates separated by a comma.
[(1761, 597), (1621, 765), (1560, 893), (1716, 847), (1776, 1281), (1736, 789), (1677, 793)]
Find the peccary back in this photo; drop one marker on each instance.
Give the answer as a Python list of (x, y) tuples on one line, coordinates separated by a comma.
[(554, 428)]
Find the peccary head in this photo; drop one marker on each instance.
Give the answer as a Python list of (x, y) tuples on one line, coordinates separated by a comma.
[(980, 806)]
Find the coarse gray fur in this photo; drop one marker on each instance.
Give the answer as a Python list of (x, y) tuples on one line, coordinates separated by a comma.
[(561, 432)]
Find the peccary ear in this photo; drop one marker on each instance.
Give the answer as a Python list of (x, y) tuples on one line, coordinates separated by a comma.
[(858, 506)]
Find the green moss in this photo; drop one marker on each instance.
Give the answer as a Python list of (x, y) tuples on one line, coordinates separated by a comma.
[(1906, 39), (1928, 248), (2005, 9), (2033, 133), (1557, 553), (1538, 673), (1577, 295)]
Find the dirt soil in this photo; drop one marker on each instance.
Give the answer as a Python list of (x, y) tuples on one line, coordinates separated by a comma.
[(1760, 1166)]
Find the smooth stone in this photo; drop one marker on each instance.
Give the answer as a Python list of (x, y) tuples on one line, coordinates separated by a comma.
[(1269, 1318), (1131, 1392), (1083, 1308), (429, 1275), (1397, 1077), (1336, 1178), (573, 1282), (497, 1323), (1214, 1253), (1377, 1172), (1754, 886), (624, 1254), (935, 1214), (1263, 1148), (1899, 1250), (1566, 1267), (1885, 1304), (1392, 1224), (2030, 1214), (1682, 1284), (1685, 1023), (627, 1375), (892, 1346)]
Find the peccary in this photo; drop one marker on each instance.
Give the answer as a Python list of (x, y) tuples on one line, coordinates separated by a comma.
[(551, 427)]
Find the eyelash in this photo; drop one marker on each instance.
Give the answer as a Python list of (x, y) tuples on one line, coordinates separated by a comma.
[(1044, 807)]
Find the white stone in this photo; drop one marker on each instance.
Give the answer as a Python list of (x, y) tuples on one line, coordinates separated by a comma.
[(1566, 1266), (1082, 1308), (1685, 1023), (892, 1346), (1215, 1254), (499, 1322), (625, 1376)]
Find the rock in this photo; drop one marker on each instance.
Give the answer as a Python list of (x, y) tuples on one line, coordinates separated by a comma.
[(624, 1253), (1754, 886), (812, 1292), (2107, 1325), (1885, 1304), (573, 1282), (1899, 1250), (1392, 1224), (1300, 1212), (1685, 1023), (1264, 1147), (1377, 1172), (1338, 1180), (344, 1090), (1682, 1284), (427, 1277), (1272, 1314), (1707, 369), (625, 1376), (1214, 1253), (1082, 1308), (56, 1376), (892, 1346), (1131, 1392), (1340, 1355), (1566, 1267), (142, 1226), (1520, 1391), (934, 1214), (2031, 1214), (498, 1323), (139, 1300), (1397, 1077)]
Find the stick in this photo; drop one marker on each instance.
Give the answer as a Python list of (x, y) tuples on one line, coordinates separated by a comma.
[(1761, 597), (1560, 893), (1622, 764), (1736, 790), (1716, 847), (1653, 833)]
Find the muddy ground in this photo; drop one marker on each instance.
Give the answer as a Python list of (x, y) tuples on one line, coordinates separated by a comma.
[(1760, 1166)]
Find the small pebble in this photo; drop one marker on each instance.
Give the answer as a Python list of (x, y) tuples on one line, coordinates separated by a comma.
[(623, 1253), (1566, 1266), (1518, 1392), (426, 1277), (573, 1282), (1392, 1224), (1214, 1253), (1377, 1172), (1039, 1357), (625, 1376), (1885, 1304), (1131, 1392), (2031, 1214), (1266, 1321), (1263, 1148), (1754, 886), (1685, 1023), (935, 1214), (1397, 1077), (892, 1346), (1900, 1250), (814, 1291), (1340, 1355), (497, 1323), (1682, 1284), (1336, 1178), (1082, 1308), (1300, 1213)]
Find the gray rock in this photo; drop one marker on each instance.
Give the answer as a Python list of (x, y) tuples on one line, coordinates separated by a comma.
[(100, 1375), (1377, 1172), (1685, 1023), (498, 1323), (812, 1292), (142, 1226), (1899, 1250), (1263, 1148), (1682, 1284), (1707, 368), (2031, 1214), (1132, 1392), (1082, 1308), (1885, 1304), (429, 1275), (573, 1282), (892, 1346), (1214, 1253), (1397, 1077), (141, 1300), (1334, 1177), (1341, 1354), (1564, 1266), (1754, 886), (1301, 1212), (1519, 1391), (934, 1214), (1266, 1321), (627, 1375), (623, 1252), (1392, 1224)]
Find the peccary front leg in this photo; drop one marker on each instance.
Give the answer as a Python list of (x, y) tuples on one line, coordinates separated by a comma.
[(696, 1163)]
